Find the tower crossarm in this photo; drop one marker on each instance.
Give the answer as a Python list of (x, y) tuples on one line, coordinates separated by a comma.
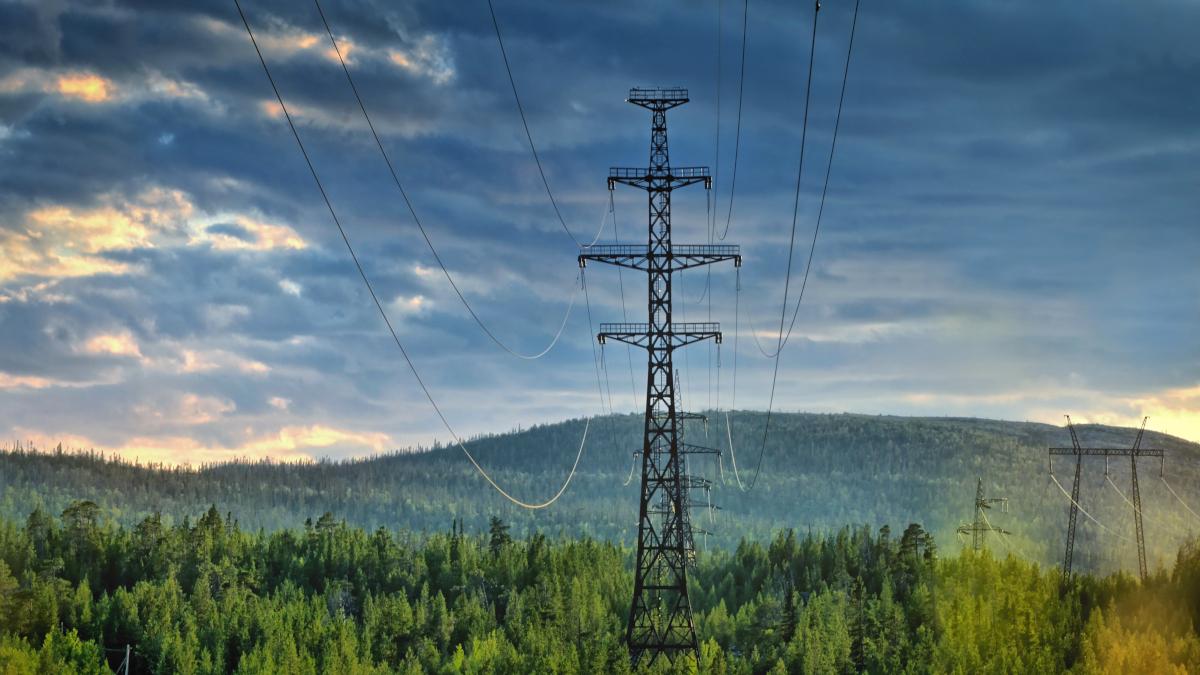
[(633, 256), (663, 98), (689, 449), (642, 334), (686, 256), (1108, 452), (683, 416), (679, 257), (659, 180), (987, 503), (972, 529)]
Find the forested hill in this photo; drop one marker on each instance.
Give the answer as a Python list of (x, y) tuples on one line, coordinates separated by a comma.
[(819, 472)]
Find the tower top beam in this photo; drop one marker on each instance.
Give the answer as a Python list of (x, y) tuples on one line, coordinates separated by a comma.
[(658, 98)]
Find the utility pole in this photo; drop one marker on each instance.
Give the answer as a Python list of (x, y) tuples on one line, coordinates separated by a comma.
[(980, 526), (1132, 453), (660, 616)]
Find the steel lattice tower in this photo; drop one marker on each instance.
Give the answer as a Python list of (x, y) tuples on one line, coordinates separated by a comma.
[(1133, 453), (660, 617), (980, 525)]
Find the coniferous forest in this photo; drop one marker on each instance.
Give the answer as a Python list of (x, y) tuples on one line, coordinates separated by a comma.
[(207, 596), (819, 473), (373, 566)]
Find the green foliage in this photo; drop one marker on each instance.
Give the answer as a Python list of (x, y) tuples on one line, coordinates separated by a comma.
[(210, 597), (848, 468)]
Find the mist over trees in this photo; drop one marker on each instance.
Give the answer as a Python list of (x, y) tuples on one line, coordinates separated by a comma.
[(820, 472)]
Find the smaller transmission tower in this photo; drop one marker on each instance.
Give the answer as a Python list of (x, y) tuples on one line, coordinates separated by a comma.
[(1132, 453), (979, 528)]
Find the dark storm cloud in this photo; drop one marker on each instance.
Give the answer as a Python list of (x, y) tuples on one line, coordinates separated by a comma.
[(1012, 204)]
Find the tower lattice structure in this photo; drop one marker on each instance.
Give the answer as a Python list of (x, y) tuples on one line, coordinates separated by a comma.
[(980, 526), (1079, 452), (660, 616)]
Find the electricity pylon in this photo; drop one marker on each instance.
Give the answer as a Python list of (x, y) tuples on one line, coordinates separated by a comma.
[(1132, 453), (660, 616), (980, 526)]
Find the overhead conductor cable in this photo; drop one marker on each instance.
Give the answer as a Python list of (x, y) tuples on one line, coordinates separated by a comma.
[(737, 137), (528, 135), (1178, 498), (379, 306), (421, 227), (1084, 511), (795, 213)]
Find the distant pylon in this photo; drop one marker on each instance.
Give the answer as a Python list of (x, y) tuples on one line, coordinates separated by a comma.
[(980, 526), (1133, 453)]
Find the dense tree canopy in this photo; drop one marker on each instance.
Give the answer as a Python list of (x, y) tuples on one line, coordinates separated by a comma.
[(206, 596)]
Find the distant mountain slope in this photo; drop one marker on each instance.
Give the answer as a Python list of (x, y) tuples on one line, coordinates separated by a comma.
[(819, 472)]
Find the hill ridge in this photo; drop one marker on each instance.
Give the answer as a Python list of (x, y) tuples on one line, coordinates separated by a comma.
[(821, 471)]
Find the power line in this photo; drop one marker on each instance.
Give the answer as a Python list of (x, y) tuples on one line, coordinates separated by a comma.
[(1084, 511), (708, 211), (733, 395), (632, 467), (791, 242), (1141, 512), (824, 191), (1177, 497), (999, 534), (710, 217), (612, 205), (732, 454), (687, 362), (521, 109), (596, 358), (379, 306), (416, 219), (737, 137)]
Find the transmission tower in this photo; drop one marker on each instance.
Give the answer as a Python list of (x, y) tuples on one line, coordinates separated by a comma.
[(1132, 453), (979, 528), (660, 616)]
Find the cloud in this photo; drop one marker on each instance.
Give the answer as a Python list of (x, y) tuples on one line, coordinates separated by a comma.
[(206, 360), (1173, 411), (246, 233), (287, 443), (64, 241), (309, 440), (411, 304), (290, 287), (94, 88), (113, 344), (188, 409), (87, 87), (18, 381), (61, 241), (429, 57)]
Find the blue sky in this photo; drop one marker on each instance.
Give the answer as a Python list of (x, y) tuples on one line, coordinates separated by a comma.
[(1011, 229)]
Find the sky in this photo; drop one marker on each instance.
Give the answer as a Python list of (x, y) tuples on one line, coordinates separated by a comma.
[(1011, 226)]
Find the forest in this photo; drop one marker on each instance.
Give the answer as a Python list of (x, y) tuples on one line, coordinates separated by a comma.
[(208, 596), (819, 472)]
